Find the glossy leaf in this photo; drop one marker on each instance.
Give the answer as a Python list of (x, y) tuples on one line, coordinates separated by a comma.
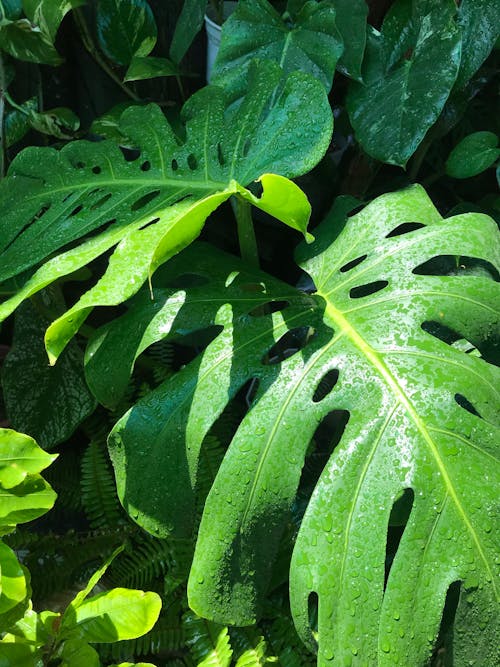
[(48, 403), (14, 587), (480, 24), (256, 30), (16, 124), (48, 15), (150, 68), (125, 28), (350, 19), (421, 416), (25, 41), (399, 102), (60, 122), (117, 614), (12, 9), (473, 155), (188, 25), (24, 495), (163, 197)]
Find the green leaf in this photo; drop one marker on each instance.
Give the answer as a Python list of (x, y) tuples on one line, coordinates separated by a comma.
[(48, 403), (20, 456), (14, 587), (208, 642), (19, 655), (31, 496), (163, 197), (404, 92), (150, 68), (480, 24), (12, 9), (114, 615), (472, 155), (48, 15), (36, 629), (188, 26), (17, 121), (374, 340), (125, 28), (108, 125), (77, 653), (60, 122), (92, 582), (350, 19), (25, 41), (256, 30)]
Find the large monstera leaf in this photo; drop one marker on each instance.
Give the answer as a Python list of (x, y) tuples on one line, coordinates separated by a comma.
[(384, 338), (67, 207)]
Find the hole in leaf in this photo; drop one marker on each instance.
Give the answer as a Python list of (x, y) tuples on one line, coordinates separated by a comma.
[(312, 611), (327, 436), (398, 520), (187, 280), (100, 202), (446, 265), (370, 288), (76, 210), (325, 385), (289, 344), (440, 331), (220, 155), (144, 200), (192, 161), (68, 197), (80, 165), (130, 154), (146, 166), (151, 222), (404, 228), (246, 147), (40, 213), (466, 404), (444, 641), (96, 169), (253, 287), (101, 229), (268, 308), (354, 262), (175, 165)]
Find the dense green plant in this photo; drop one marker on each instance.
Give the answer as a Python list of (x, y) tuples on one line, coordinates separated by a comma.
[(307, 442)]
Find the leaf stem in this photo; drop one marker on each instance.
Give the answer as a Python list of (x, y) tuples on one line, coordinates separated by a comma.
[(2, 114), (246, 233), (89, 44)]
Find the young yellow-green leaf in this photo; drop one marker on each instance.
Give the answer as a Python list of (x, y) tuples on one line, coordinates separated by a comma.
[(14, 588), (255, 29), (117, 614), (125, 28), (19, 655), (35, 629), (471, 156), (92, 582), (399, 100), (20, 456)]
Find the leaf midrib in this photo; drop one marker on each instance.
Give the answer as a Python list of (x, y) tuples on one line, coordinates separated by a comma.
[(371, 355)]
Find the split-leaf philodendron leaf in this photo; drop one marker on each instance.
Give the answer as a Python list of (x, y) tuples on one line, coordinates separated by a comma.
[(154, 205), (383, 339)]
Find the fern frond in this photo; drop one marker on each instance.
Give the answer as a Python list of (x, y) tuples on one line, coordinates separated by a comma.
[(162, 354), (208, 642), (148, 559), (98, 490), (249, 647)]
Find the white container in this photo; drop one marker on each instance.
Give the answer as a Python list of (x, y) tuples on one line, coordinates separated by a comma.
[(213, 34)]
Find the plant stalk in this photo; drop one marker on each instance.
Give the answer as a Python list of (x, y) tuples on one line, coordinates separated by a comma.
[(218, 7), (2, 115), (246, 233), (89, 44)]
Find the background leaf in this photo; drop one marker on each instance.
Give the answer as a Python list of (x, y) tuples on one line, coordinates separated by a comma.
[(479, 21), (399, 102), (472, 155), (125, 28), (350, 19), (256, 30), (187, 27), (48, 403)]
